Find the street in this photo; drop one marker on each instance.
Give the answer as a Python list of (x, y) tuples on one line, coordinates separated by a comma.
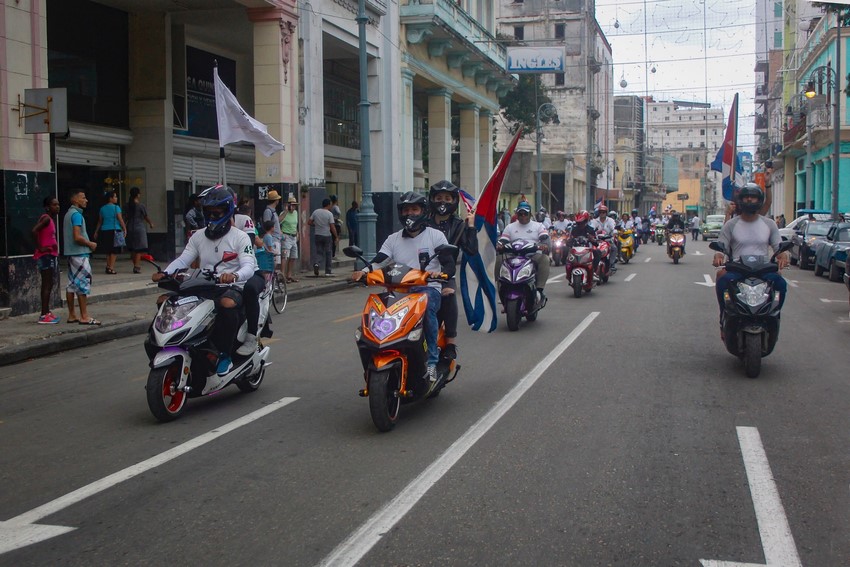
[(635, 441)]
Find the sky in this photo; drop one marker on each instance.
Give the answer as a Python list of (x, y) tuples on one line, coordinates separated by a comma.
[(701, 50)]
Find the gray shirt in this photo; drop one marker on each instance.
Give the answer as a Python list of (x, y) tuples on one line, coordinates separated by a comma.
[(754, 238), (322, 221)]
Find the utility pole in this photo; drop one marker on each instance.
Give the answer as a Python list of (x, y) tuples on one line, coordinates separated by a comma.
[(366, 218)]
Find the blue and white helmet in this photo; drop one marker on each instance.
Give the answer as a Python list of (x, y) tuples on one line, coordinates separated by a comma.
[(213, 198)]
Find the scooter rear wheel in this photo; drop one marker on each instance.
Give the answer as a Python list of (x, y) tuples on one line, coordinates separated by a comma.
[(251, 383), (752, 354), (165, 401), (384, 400), (512, 314)]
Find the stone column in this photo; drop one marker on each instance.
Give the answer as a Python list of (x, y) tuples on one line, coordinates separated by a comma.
[(439, 135), (485, 148), (470, 172), (151, 123), (276, 89), (407, 126)]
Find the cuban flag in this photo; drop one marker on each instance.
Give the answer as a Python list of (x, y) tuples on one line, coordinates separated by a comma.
[(652, 211), (597, 205), (477, 288), (728, 162), (468, 200)]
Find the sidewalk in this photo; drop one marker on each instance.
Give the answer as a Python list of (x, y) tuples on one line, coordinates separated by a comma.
[(125, 304)]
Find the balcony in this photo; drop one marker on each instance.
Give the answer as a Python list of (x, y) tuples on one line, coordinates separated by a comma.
[(795, 132), (450, 32)]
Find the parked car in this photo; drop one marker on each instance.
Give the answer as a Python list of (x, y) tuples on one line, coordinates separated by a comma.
[(805, 242), (712, 226), (802, 215), (831, 255)]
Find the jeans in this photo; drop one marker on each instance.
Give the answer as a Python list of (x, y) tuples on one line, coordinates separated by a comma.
[(431, 325), (777, 281), (324, 251)]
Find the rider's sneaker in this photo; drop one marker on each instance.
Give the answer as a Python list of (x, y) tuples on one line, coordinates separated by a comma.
[(225, 365), (249, 346), (431, 373), (596, 278)]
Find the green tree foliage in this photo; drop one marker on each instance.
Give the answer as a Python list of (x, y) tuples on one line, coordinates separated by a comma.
[(520, 105)]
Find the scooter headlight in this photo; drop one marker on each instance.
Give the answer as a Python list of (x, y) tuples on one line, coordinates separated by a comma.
[(753, 295), (384, 325), (504, 272), (175, 313), (525, 272), (415, 335)]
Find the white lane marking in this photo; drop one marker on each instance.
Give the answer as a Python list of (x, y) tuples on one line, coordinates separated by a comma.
[(630, 277), (647, 260), (793, 283), (358, 544), (708, 281), (554, 278), (21, 530), (833, 300), (776, 538), (697, 253)]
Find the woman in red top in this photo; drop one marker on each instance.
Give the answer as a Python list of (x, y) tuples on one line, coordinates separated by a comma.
[(46, 256)]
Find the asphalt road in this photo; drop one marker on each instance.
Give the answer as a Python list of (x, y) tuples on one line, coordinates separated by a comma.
[(626, 445)]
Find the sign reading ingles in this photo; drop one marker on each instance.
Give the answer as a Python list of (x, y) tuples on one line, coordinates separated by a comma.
[(536, 60)]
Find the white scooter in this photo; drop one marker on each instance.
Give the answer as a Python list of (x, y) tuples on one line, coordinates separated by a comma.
[(182, 359)]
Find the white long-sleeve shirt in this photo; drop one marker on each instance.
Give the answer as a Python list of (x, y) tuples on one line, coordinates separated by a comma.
[(209, 252)]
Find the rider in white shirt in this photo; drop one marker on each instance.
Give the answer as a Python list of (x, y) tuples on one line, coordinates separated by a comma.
[(562, 223), (526, 229), (210, 246)]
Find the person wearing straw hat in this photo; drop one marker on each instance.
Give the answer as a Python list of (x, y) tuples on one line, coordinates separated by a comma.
[(289, 247), (270, 214)]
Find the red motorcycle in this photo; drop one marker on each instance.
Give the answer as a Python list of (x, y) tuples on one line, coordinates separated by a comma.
[(604, 269), (558, 246), (580, 265)]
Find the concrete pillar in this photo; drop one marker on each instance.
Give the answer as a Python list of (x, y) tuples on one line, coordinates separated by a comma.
[(276, 90), (439, 135), (311, 136), (406, 151), (485, 148), (470, 138), (151, 118)]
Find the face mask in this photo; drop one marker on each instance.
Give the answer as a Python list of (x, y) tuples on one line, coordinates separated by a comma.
[(442, 208)]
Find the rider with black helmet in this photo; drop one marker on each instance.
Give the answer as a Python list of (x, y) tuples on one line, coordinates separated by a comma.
[(750, 234), (407, 246), (444, 198), (209, 247)]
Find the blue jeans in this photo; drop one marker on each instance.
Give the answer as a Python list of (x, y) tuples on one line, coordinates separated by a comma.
[(431, 325), (723, 283)]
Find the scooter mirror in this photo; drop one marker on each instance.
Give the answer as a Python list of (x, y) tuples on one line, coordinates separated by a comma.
[(718, 246), (352, 251)]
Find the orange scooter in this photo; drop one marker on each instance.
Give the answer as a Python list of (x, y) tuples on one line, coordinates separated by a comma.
[(391, 341)]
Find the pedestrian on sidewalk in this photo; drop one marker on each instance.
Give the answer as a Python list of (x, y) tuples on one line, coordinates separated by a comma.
[(322, 220), (47, 256), (112, 236), (78, 248), (337, 213), (289, 246), (137, 233), (270, 214), (351, 224), (194, 216)]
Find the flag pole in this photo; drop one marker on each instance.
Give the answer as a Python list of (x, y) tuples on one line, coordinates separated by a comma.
[(222, 169)]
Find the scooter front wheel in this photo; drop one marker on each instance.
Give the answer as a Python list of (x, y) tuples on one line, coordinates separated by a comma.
[(384, 399), (512, 314), (577, 286), (752, 354), (165, 401)]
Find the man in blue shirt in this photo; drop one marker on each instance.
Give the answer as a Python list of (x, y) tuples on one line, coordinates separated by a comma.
[(77, 249)]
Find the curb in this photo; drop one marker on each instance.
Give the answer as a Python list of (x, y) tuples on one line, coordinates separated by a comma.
[(72, 341)]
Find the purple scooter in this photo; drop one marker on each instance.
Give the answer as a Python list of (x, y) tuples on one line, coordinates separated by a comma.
[(518, 282)]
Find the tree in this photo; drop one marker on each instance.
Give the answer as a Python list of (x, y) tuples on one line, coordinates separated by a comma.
[(519, 106)]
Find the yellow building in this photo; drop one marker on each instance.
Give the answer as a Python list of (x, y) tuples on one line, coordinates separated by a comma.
[(690, 205)]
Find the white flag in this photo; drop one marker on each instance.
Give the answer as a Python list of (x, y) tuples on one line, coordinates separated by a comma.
[(234, 124)]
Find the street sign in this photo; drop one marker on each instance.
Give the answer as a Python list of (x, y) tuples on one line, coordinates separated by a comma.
[(682, 196), (536, 60)]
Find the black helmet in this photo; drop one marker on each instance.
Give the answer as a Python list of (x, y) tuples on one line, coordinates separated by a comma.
[(211, 199), (412, 223), (444, 186), (634, 211), (750, 190)]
